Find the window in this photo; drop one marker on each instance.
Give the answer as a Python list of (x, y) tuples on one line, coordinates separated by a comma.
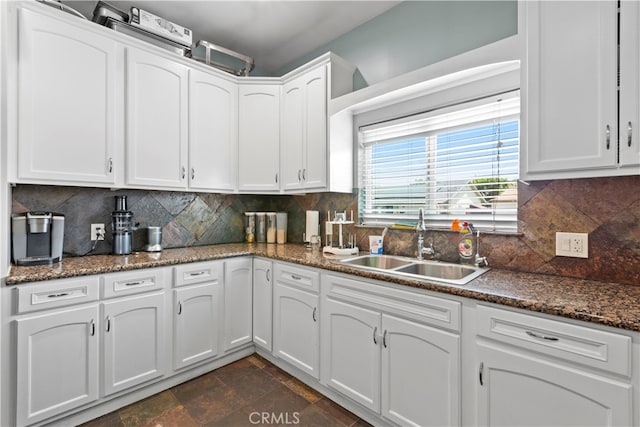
[(455, 162)]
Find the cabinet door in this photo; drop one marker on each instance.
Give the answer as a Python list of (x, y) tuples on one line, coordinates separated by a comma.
[(630, 84), (67, 103), (293, 134), (196, 324), (213, 132), (57, 363), (134, 341), (420, 374), (314, 172), (259, 137), (520, 389), (570, 96), (156, 138), (351, 338), (295, 329), (238, 292), (262, 303)]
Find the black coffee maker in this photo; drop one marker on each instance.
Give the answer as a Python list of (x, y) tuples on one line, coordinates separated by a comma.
[(121, 223)]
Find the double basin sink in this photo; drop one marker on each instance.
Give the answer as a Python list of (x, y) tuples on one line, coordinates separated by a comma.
[(450, 273)]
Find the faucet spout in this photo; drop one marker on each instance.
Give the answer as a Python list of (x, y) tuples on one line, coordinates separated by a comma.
[(421, 227)]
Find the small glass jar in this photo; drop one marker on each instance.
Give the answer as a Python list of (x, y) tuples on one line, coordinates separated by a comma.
[(250, 227), (271, 227), (261, 227), (281, 233)]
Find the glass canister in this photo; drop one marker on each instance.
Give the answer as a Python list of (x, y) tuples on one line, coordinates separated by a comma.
[(250, 227), (281, 222), (261, 227), (271, 227)]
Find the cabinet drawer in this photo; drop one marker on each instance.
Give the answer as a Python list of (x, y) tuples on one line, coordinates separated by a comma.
[(56, 293), (302, 278), (133, 282), (199, 272), (408, 304), (591, 347)]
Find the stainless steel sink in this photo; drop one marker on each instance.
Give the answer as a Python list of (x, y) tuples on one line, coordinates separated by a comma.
[(456, 274), (384, 262)]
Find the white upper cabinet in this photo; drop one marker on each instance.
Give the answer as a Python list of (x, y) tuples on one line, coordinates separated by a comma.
[(213, 132), (259, 137), (156, 137), (304, 131), (569, 81), (570, 118), (67, 100), (630, 85)]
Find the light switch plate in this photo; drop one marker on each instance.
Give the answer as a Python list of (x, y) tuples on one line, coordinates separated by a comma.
[(572, 245)]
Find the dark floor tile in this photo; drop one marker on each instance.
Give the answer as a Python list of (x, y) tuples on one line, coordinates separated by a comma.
[(141, 412), (303, 390), (214, 404), (197, 386), (277, 373), (253, 384), (361, 423), (231, 373), (109, 420), (176, 417), (257, 360), (336, 411), (280, 401), (313, 416)]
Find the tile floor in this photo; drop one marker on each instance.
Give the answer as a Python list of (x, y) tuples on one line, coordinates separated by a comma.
[(239, 394)]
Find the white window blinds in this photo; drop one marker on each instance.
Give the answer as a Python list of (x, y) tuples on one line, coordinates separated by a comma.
[(455, 162)]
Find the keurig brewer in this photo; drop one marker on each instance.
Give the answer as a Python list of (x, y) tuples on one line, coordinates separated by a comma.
[(37, 237), (121, 219)]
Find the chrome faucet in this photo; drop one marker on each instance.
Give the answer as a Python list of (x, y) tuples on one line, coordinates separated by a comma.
[(479, 261), (420, 229)]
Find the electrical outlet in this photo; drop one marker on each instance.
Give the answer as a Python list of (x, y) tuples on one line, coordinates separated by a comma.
[(572, 245), (97, 232)]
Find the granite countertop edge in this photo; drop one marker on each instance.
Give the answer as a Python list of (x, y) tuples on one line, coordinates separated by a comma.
[(604, 303)]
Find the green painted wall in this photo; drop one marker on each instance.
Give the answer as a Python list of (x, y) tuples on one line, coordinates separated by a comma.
[(415, 34)]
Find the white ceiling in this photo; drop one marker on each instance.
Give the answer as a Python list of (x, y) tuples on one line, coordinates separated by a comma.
[(273, 32)]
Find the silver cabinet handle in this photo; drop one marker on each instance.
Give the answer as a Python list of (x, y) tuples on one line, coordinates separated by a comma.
[(60, 295), (480, 369), (184, 172), (384, 338), (313, 315), (179, 308), (93, 327), (304, 174), (268, 273), (299, 172), (608, 136), (294, 277), (108, 320), (110, 164), (193, 173), (196, 273), (629, 134), (375, 331), (139, 282), (542, 337)]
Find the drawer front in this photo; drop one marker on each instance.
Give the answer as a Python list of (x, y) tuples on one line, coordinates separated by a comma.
[(133, 282), (608, 351), (56, 293), (198, 272), (302, 278), (408, 304)]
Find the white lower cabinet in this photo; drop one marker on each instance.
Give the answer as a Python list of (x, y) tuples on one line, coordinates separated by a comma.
[(57, 362), (534, 371), (296, 315), (403, 369), (195, 324), (134, 341), (238, 311), (197, 309), (263, 303)]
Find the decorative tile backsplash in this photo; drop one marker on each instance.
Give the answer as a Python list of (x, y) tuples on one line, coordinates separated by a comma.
[(606, 208)]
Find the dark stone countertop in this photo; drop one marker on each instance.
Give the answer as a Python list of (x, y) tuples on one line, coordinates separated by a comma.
[(609, 304)]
